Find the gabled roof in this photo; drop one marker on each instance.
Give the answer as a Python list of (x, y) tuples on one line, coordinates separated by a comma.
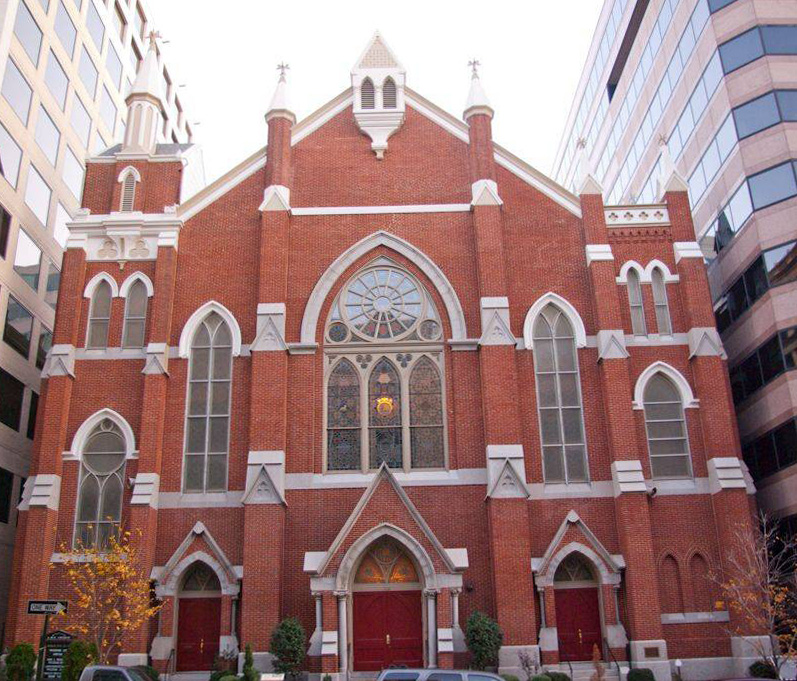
[(426, 108), (378, 55)]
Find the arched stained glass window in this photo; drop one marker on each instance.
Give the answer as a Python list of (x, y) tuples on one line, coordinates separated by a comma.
[(99, 316), (384, 416), (574, 568), (660, 302), (201, 577), (426, 416), (343, 418), (559, 398), (665, 424), (386, 562), (208, 420), (135, 316), (99, 506), (637, 306)]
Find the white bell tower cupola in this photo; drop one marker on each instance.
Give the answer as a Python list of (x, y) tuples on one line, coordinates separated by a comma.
[(378, 83), (144, 105)]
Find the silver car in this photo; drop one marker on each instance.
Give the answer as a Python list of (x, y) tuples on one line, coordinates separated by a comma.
[(436, 675)]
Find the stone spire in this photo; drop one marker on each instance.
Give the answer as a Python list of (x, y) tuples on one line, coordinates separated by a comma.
[(477, 99), (280, 106), (144, 104), (585, 180), (669, 180)]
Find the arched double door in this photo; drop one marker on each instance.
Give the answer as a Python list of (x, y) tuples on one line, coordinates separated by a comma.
[(198, 619), (578, 617), (387, 620)]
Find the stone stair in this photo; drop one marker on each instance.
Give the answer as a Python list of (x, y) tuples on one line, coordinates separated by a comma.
[(584, 671)]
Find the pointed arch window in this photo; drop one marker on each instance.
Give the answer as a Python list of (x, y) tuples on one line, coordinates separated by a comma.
[(99, 505), (559, 405), (665, 425), (207, 426), (99, 316), (389, 94), (367, 94), (663, 322), (638, 326), (385, 397), (135, 316), (201, 578), (128, 194)]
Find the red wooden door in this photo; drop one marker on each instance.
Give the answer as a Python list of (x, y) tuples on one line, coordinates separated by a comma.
[(388, 630), (578, 623), (198, 629)]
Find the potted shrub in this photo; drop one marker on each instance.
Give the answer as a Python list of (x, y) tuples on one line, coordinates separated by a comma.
[(484, 638)]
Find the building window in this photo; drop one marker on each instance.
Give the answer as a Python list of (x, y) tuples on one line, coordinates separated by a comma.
[(28, 33), (663, 321), (637, 306), (56, 80), (139, 21), (81, 121), (99, 505), (45, 343), (99, 316), (88, 73), (135, 316), (386, 405), (10, 157), (108, 110), (60, 230), (27, 261), (119, 22), (18, 328), (128, 192), (773, 451), (766, 363), (73, 174), (389, 94), (208, 419), (95, 26), (16, 91), (367, 94), (6, 487), (5, 229), (12, 391), (53, 284), (559, 398), (33, 411), (757, 42), (47, 136), (37, 196), (665, 425), (65, 29), (114, 66)]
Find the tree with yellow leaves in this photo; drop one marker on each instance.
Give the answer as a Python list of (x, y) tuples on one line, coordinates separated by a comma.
[(111, 594), (758, 582)]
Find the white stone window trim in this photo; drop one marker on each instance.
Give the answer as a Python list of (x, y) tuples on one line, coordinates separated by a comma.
[(377, 353), (191, 326), (94, 282), (127, 196), (124, 289), (567, 308), (688, 399), (128, 316), (661, 306), (646, 272)]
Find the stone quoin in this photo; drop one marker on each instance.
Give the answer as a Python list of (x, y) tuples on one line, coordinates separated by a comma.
[(379, 376)]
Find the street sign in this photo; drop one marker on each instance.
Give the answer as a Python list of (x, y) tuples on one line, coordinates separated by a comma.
[(47, 607), (56, 645)]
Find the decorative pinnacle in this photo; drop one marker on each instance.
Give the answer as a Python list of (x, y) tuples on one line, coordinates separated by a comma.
[(581, 143), (282, 67), (474, 65), (154, 36)]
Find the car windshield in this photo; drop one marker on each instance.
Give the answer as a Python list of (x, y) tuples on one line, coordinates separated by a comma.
[(138, 675)]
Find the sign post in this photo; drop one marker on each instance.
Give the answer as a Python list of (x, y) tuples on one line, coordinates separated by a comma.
[(45, 608)]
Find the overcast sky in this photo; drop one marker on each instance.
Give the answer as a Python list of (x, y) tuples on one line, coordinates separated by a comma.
[(226, 51)]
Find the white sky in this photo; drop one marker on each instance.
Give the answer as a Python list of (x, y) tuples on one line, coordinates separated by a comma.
[(226, 51)]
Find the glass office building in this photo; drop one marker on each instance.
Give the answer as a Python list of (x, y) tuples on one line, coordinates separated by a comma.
[(65, 69)]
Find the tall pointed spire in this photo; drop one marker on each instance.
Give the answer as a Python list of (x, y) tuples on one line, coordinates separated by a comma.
[(280, 106), (585, 180), (669, 179), (144, 104), (477, 99)]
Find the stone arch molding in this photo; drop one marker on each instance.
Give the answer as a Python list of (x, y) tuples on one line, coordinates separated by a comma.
[(88, 426), (171, 586), (94, 282), (605, 575), (381, 238), (195, 320), (129, 170), (646, 273), (351, 559), (566, 307), (124, 289), (688, 398)]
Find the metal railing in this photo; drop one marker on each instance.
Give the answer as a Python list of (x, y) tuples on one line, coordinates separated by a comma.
[(613, 658), (171, 664)]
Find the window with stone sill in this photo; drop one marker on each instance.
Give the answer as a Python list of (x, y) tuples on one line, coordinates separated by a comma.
[(384, 381), (638, 325), (135, 316), (665, 424), (99, 316), (663, 322)]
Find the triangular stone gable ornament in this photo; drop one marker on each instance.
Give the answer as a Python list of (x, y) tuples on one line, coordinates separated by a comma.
[(378, 56), (611, 345), (157, 361), (262, 490), (485, 193), (497, 332), (509, 485), (705, 342), (276, 198), (269, 337)]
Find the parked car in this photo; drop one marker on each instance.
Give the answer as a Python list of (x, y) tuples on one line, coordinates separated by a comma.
[(98, 672), (434, 675)]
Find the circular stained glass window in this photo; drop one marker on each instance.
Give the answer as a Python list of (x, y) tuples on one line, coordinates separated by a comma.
[(383, 303), (338, 332)]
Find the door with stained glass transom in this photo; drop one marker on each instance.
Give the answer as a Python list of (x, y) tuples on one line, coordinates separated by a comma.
[(387, 613)]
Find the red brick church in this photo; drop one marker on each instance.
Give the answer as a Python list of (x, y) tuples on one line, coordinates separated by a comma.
[(381, 375)]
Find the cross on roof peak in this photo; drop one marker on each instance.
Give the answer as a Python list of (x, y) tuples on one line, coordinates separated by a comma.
[(282, 67), (474, 65)]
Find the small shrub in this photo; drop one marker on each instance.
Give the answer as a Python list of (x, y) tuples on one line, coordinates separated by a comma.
[(219, 674), (509, 677), (147, 671), (484, 638), (78, 656), (250, 673), (541, 677), (763, 669), (326, 677), (641, 674), (558, 676), (229, 677), (20, 661), (288, 646)]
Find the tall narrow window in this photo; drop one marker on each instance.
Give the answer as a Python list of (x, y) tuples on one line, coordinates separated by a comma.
[(637, 307), (384, 415), (426, 416), (559, 398), (343, 418), (99, 316), (666, 429), (128, 192), (208, 420), (99, 506), (389, 94), (660, 301), (367, 97), (135, 316)]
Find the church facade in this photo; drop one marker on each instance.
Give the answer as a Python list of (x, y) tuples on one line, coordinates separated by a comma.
[(380, 376)]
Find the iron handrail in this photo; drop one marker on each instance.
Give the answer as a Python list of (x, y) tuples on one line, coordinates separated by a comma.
[(614, 659), (171, 663)]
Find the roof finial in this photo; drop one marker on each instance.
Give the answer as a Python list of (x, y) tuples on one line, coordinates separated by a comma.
[(282, 67), (474, 65), (477, 99), (154, 36), (279, 107)]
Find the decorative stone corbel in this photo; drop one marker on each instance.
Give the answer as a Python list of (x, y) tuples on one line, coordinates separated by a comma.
[(495, 322), (598, 253), (265, 478), (270, 336), (686, 249), (60, 361), (157, 359), (611, 344), (46, 491), (705, 341), (627, 476), (725, 472), (485, 193), (506, 473), (276, 197), (145, 490)]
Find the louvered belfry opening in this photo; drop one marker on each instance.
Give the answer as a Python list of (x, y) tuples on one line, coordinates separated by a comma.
[(367, 96), (128, 193), (389, 94)]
